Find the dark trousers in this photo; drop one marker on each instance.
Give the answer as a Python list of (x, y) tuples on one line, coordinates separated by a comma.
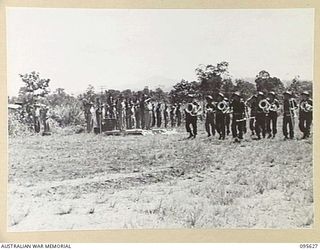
[(228, 120), (260, 125), (158, 120), (178, 119), (237, 127), (153, 123), (142, 120), (209, 124), (138, 121), (220, 125), (36, 125), (88, 122), (191, 121), (272, 123), (128, 122), (288, 122), (305, 121), (45, 125), (173, 122), (119, 120)]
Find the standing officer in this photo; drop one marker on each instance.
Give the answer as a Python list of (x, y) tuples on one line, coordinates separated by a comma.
[(128, 114), (165, 115), (44, 116), (153, 115), (238, 115), (148, 113), (137, 112), (305, 114), (272, 114), (210, 111), (158, 114), (119, 113), (178, 114), (36, 117), (172, 115), (228, 119), (220, 117), (192, 111), (87, 114), (260, 125), (289, 107), (142, 112), (97, 115)]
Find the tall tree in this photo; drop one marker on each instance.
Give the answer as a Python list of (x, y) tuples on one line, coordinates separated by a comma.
[(246, 88), (265, 83), (89, 95), (34, 89), (181, 90), (212, 77), (227, 87)]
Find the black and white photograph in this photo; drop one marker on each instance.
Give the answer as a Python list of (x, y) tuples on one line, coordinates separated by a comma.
[(159, 118)]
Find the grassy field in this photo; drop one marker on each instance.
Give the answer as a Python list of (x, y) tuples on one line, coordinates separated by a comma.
[(86, 181)]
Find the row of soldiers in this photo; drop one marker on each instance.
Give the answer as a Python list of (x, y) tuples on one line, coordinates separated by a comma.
[(260, 110), (124, 114)]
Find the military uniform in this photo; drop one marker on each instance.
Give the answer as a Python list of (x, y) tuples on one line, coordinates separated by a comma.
[(128, 115), (253, 112), (137, 112), (153, 116), (36, 118), (260, 124), (305, 117), (228, 118), (288, 116), (44, 119), (158, 114), (172, 116), (165, 115), (142, 111), (178, 115), (191, 120), (221, 120), (238, 113), (272, 117), (148, 115), (87, 115), (210, 116)]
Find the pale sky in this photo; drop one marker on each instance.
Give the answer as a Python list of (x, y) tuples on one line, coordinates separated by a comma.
[(122, 49)]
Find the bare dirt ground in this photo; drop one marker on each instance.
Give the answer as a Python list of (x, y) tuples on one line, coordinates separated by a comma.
[(83, 181)]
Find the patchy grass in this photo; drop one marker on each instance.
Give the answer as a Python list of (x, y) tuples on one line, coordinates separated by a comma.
[(159, 181)]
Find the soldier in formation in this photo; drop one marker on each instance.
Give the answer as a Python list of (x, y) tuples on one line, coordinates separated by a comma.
[(210, 113), (305, 114), (238, 114), (192, 111), (289, 114), (272, 114), (260, 110)]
